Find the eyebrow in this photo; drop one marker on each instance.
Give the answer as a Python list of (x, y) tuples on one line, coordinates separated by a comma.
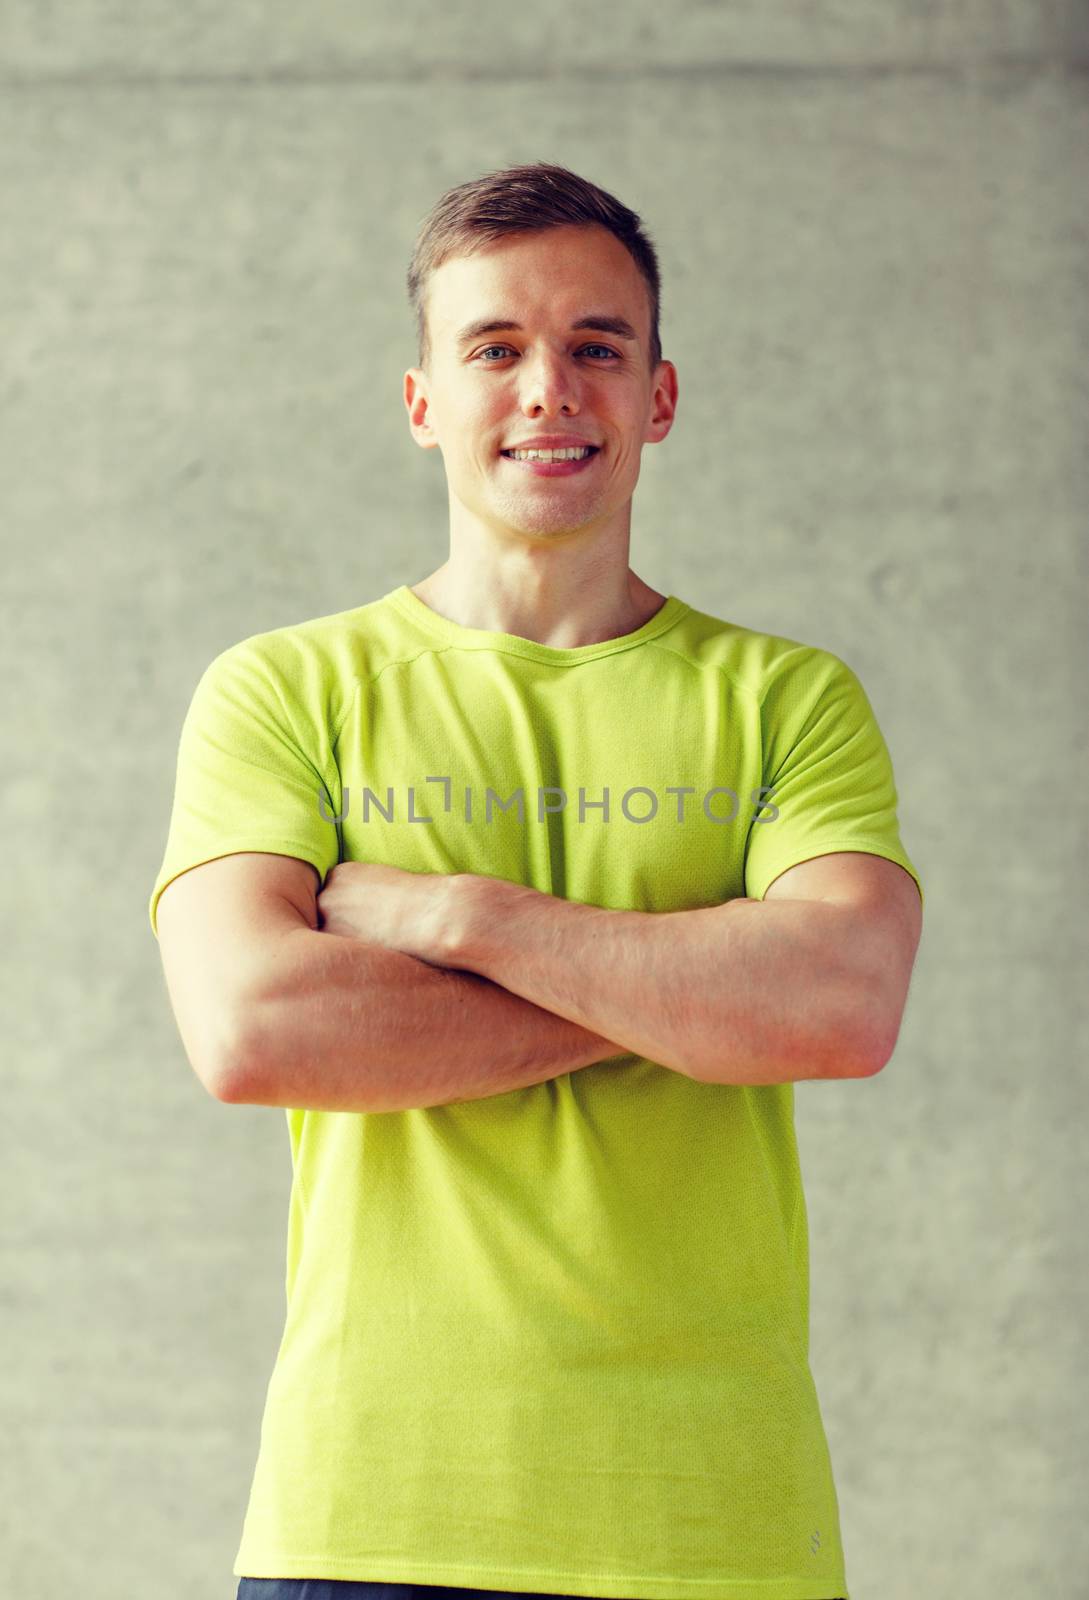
[(618, 326)]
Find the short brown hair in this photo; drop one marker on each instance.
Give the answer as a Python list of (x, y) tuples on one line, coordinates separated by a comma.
[(520, 200)]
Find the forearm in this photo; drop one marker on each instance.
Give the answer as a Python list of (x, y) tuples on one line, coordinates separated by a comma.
[(747, 992), (345, 1025)]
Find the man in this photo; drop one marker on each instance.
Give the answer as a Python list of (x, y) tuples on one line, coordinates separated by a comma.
[(529, 893)]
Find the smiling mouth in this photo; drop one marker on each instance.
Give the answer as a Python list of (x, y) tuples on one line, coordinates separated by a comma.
[(540, 468), (591, 450)]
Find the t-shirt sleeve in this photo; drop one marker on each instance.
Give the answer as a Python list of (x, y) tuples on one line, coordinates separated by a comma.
[(829, 769), (255, 767)]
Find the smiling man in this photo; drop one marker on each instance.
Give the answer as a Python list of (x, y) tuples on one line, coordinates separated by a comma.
[(529, 893), (541, 418)]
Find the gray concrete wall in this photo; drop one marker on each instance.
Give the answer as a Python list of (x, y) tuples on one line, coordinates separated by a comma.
[(872, 230)]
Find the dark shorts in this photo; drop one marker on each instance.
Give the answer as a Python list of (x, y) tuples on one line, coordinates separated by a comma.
[(350, 1589)]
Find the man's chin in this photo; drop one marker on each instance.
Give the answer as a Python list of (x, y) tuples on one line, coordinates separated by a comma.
[(540, 528), (544, 517)]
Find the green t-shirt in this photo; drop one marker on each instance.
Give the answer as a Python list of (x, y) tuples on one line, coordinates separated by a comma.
[(556, 1339)]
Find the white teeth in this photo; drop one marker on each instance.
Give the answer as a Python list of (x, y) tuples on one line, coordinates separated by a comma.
[(549, 455)]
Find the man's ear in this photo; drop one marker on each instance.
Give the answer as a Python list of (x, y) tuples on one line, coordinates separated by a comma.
[(417, 404)]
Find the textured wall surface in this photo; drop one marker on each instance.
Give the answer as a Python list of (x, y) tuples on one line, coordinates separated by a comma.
[(872, 230)]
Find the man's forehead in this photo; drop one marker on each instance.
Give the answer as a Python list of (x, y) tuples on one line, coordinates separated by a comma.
[(467, 289), (595, 321)]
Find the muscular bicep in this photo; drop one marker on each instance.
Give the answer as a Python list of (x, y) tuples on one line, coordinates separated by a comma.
[(219, 924)]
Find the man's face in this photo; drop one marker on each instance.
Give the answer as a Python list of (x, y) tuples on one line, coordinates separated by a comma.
[(492, 390)]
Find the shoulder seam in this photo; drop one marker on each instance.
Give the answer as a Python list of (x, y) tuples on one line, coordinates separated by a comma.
[(703, 666), (827, 658)]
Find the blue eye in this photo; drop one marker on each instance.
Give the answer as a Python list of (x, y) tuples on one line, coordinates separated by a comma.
[(488, 347)]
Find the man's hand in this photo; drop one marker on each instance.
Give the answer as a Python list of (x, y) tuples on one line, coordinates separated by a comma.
[(407, 911)]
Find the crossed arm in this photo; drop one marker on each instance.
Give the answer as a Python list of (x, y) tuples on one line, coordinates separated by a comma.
[(810, 982)]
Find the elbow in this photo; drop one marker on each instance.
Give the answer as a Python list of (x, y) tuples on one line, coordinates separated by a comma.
[(224, 1083), (872, 1050), (235, 1078), (860, 1033), (880, 1053), (226, 1087), (237, 1087)]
